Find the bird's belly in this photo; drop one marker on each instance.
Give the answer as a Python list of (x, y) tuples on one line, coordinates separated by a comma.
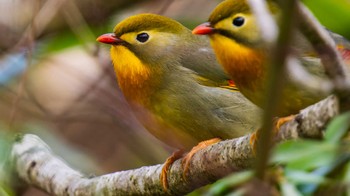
[(166, 132), (186, 127), (294, 98)]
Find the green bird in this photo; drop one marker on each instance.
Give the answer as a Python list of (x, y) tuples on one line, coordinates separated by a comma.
[(174, 84), (239, 47)]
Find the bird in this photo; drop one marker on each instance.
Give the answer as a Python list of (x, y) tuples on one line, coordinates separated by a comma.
[(175, 86), (238, 44)]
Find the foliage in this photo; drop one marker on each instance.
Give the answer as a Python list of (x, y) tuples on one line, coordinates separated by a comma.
[(5, 146), (303, 167), (333, 14)]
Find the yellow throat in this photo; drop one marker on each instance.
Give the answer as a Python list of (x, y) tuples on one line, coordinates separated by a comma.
[(244, 65), (133, 75)]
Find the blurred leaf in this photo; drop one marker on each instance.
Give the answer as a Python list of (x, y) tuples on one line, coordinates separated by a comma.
[(5, 173), (305, 154), (5, 146), (289, 189), (300, 177), (222, 186), (5, 192), (346, 176), (322, 171), (314, 161), (63, 41), (238, 192), (333, 14), (12, 65), (200, 191), (337, 128)]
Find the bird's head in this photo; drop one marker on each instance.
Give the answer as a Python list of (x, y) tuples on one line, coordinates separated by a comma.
[(234, 20), (144, 47), (236, 39), (148, 37)]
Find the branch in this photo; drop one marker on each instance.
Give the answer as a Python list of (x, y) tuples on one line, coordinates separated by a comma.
[(265, 21), (323, 43), (325, 46), (35, 163), (279, 40)]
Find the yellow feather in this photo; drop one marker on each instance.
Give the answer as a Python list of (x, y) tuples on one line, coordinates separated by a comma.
[(131, 72), (128, 66), (242, 63)]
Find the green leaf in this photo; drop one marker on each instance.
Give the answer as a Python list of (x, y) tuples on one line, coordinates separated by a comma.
[(300, 177), (64, 40), (222, 186), (239, 192), (312, 162), (5, 170), (333, 14), (305, 154), (289, 189), (346, 175), (309, 189), (4, 192), (337, 128)]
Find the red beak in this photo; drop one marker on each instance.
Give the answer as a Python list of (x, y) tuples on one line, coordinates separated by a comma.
[(109, 38), (204, 29)]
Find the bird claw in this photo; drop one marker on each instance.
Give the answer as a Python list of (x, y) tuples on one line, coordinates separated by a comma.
[(281, 121), (169, 161), (253, 141), (277, 122), (186, 161)]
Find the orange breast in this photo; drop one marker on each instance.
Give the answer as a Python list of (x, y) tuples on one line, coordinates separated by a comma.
[(135, 79), (245, 65)]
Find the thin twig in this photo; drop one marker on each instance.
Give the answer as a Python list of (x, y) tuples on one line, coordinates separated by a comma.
[(276, 73), (165, 7), (79, 26), (265, 21), (332, 61), (41, 20)]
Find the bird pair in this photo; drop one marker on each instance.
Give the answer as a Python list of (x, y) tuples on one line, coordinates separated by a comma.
[(177, 89)]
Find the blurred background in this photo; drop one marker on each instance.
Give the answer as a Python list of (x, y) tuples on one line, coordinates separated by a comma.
[(58, 83)]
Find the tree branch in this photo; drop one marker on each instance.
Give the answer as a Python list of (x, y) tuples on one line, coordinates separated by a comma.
[(265, 21), (36, 164), (325, 46), (279, 40)]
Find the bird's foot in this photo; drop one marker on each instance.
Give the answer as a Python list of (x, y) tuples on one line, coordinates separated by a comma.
[(187, 159), (277, 124), (253, 141), (170, 160)]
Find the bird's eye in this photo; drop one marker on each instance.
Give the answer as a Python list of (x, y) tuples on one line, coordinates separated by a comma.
[(142, 37), (238, 21)]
